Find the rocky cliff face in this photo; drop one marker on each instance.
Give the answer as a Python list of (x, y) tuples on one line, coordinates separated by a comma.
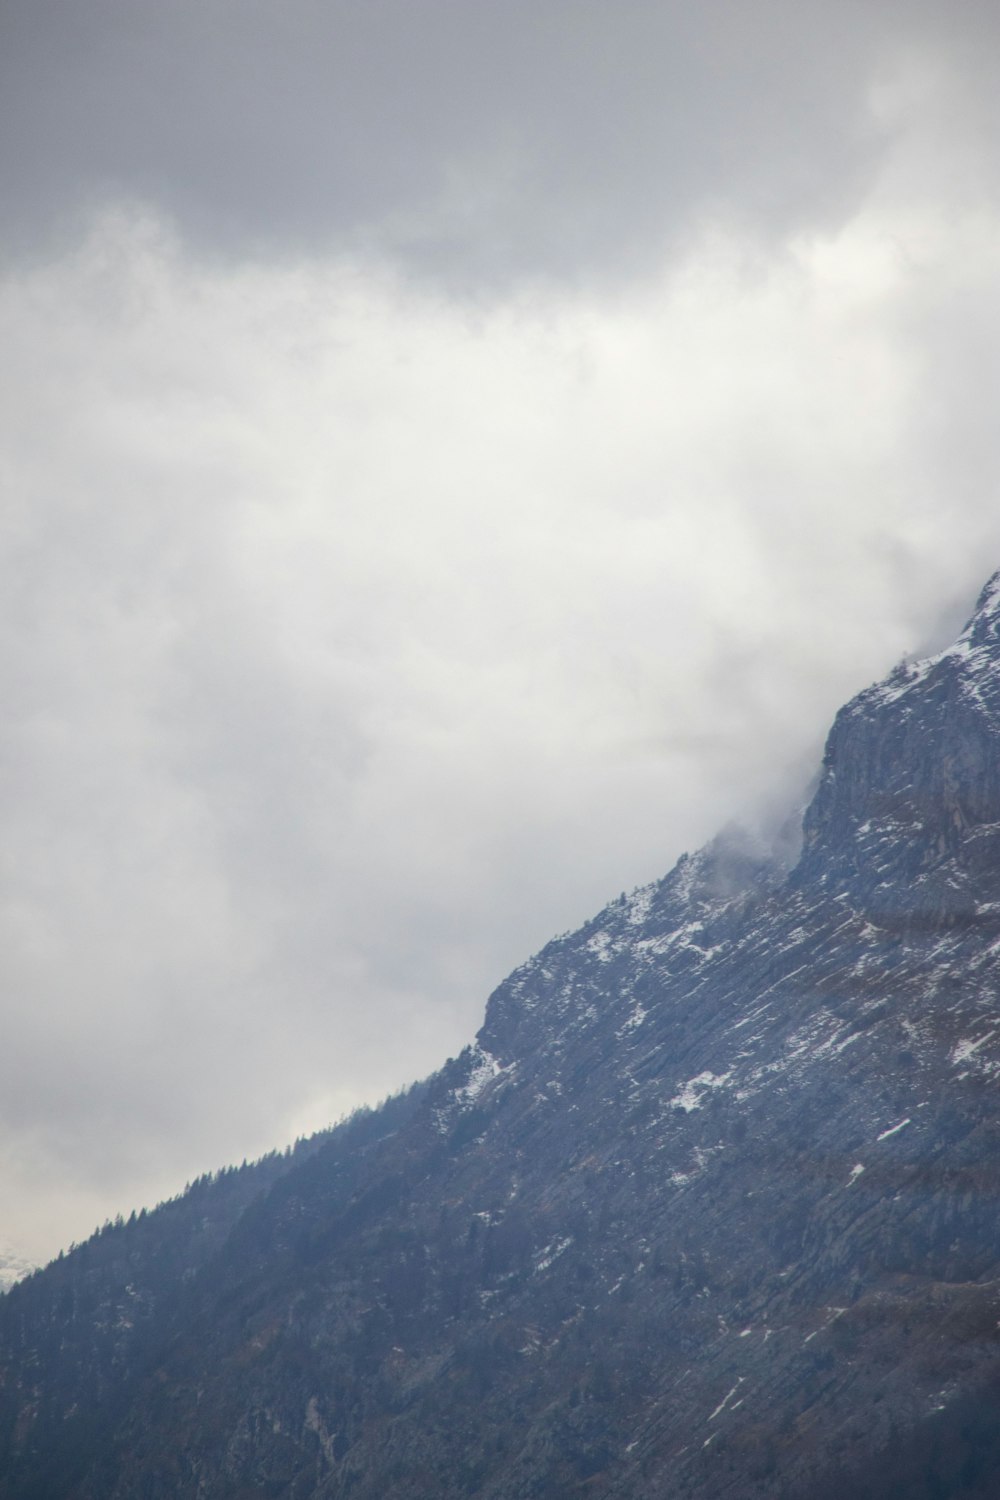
[(711, 1208), (908, 807)]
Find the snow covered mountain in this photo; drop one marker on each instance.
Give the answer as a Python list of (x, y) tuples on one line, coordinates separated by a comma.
[(710, 1209), (12, 1267)]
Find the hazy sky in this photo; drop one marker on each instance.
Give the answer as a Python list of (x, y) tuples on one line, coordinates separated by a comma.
[(454, 457)]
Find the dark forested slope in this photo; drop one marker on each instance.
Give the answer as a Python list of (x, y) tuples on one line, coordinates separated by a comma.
[(710, 1209)]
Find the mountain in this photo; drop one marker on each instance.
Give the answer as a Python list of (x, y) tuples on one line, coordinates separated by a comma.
[(12, 1267), (711, 1209)]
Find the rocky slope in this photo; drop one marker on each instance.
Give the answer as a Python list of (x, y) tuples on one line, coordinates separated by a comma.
[(711, 1208)]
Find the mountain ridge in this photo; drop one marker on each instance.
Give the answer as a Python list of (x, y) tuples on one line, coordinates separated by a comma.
[(709, 1207)]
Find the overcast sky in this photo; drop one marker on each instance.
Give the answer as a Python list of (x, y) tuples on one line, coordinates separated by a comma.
[(455, 456)]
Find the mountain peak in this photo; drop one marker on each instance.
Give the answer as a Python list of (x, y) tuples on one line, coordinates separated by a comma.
[(975, 652), (988, 603), (909, 795)]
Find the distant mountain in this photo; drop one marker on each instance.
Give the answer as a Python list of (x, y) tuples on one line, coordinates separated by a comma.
[(12, 1267), (710, 1210)]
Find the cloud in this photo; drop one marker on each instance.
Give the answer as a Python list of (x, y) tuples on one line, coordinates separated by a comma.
[(474, 143)]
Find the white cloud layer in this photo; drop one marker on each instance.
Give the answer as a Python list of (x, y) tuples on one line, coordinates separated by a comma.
[(364, 627)]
